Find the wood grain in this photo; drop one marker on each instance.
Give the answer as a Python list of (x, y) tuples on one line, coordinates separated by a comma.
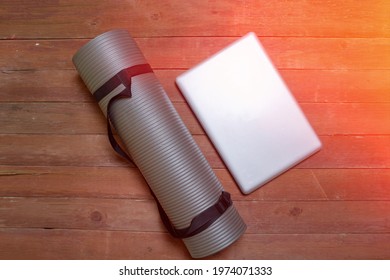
[(86, 118), (185, 52), (127, 182), (95, 150), (212, 18), (298, 217), (93, 244), (64, 193), (307, 85)]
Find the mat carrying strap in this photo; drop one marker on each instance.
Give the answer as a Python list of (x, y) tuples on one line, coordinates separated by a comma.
[(200, 222)]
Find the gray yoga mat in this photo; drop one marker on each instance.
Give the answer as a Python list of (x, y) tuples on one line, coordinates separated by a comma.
[(157, 141)]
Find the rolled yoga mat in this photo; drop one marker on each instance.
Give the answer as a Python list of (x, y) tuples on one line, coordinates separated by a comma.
[(192, 202)]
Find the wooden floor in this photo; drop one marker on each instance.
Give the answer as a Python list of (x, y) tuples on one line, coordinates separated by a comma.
[(64, 194)]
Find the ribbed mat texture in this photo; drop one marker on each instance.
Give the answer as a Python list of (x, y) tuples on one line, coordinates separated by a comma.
[(158, 141)]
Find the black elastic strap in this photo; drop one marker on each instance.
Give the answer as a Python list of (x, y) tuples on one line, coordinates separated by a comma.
[(113, 142), (122, 77), (200, 222)]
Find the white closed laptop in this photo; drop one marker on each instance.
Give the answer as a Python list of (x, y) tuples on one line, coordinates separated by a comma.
[(248, 112)]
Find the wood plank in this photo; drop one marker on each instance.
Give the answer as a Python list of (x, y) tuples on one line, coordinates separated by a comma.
[(351, 151), (52, 118), (58, 150), (338, 151), (126, 182), (63, 86), (63, 181), (86, 118), (91, 244), (43, 85), (293, 217), (309, 246), (321, 184), (185, 52), (286, 53), (339, 85), (348, 118), (201, 18), (95, 150), (80, 213), (307, 85), (315, 217), (85, 244), (354, 184)]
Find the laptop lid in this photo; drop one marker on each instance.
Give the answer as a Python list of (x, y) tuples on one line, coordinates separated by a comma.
[(248, 113)]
